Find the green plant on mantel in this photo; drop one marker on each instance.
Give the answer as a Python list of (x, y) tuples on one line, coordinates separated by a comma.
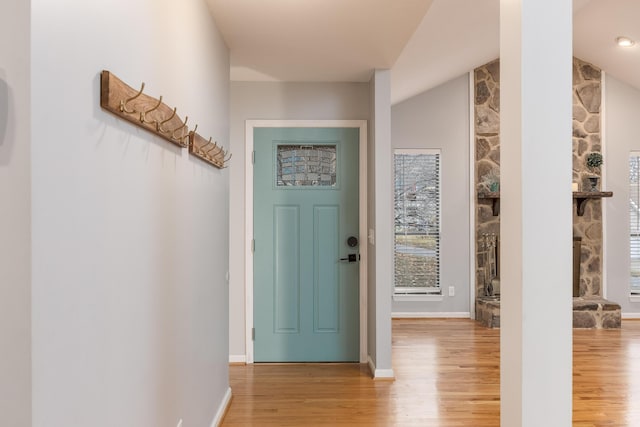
[(594, 161), (490, 182)]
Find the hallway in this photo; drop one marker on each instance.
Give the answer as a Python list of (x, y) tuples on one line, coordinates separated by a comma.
[(447, 375)]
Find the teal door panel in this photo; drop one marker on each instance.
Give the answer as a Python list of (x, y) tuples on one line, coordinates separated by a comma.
[(306, 299)]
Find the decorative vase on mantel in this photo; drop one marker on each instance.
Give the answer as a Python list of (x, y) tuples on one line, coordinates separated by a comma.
[(594, 161)]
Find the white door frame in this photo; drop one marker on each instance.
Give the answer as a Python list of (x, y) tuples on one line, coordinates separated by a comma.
[(249, 127)]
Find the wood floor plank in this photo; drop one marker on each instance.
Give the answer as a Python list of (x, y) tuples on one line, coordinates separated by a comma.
[(447, 375)]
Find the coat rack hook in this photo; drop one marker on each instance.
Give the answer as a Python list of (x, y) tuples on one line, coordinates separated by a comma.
[(185, 141), (206, 153), (202, 147), (211, 156), (144, 113), (226, 160), (159, 125), (184, 125), (123, 103)]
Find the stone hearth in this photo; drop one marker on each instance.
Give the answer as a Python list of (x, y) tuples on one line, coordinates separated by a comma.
[(488, 311), (588, 313), (596, 313)]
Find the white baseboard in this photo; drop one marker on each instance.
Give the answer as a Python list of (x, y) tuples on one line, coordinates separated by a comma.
[(631, 315), (237, 358), (431, 315), (380, 374), (226, 401)]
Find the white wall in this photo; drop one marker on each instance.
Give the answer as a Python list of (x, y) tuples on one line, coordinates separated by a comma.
[(15, 216), (371, 222), (293, 101), (622, 135), (129, 232), (439, 119), (382, 224)]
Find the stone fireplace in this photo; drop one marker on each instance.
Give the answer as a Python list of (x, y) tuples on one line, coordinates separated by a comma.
[(590, 309)]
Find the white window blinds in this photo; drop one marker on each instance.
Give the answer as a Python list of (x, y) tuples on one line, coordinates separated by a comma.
[(634, 221), (417, 222)]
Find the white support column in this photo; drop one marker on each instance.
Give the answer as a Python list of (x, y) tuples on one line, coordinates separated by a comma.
[(16, 379), (383, 222), (536, 217)]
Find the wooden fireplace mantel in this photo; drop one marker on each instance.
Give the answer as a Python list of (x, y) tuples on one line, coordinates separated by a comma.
[(581, 198), (495, 201)]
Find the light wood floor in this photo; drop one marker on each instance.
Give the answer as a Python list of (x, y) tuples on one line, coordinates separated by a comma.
[(447, 375)]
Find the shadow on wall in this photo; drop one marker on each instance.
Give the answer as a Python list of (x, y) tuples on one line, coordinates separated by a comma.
[(5, 149)]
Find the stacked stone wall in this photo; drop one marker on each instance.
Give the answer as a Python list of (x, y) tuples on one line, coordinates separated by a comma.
[(586, 138), (587, 99), (487, 159)]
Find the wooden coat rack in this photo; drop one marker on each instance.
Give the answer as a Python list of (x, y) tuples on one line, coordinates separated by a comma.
[(154, 116)]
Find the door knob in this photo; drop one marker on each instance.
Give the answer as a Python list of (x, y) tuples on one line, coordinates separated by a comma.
[(350, 258)]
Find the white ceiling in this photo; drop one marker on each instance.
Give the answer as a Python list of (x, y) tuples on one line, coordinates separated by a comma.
[(315, 40), (424, 42)]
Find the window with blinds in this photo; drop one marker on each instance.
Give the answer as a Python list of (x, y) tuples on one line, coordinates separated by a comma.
[(417, 222), (634, 221)]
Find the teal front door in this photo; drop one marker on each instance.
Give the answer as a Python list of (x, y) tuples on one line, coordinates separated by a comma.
[(306, 305)]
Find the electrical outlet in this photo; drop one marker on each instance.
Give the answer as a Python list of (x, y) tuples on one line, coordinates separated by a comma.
[(452, 291)]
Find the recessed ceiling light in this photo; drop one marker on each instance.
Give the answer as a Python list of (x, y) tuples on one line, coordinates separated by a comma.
[(625, 41)]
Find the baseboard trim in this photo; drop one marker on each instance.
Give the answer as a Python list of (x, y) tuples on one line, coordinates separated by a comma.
[(432, 315), (631, 315), (237, 358), (222, 410), (380, 374)]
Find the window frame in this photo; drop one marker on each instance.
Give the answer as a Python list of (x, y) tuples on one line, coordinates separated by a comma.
[(423, 292), (633, 290)]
